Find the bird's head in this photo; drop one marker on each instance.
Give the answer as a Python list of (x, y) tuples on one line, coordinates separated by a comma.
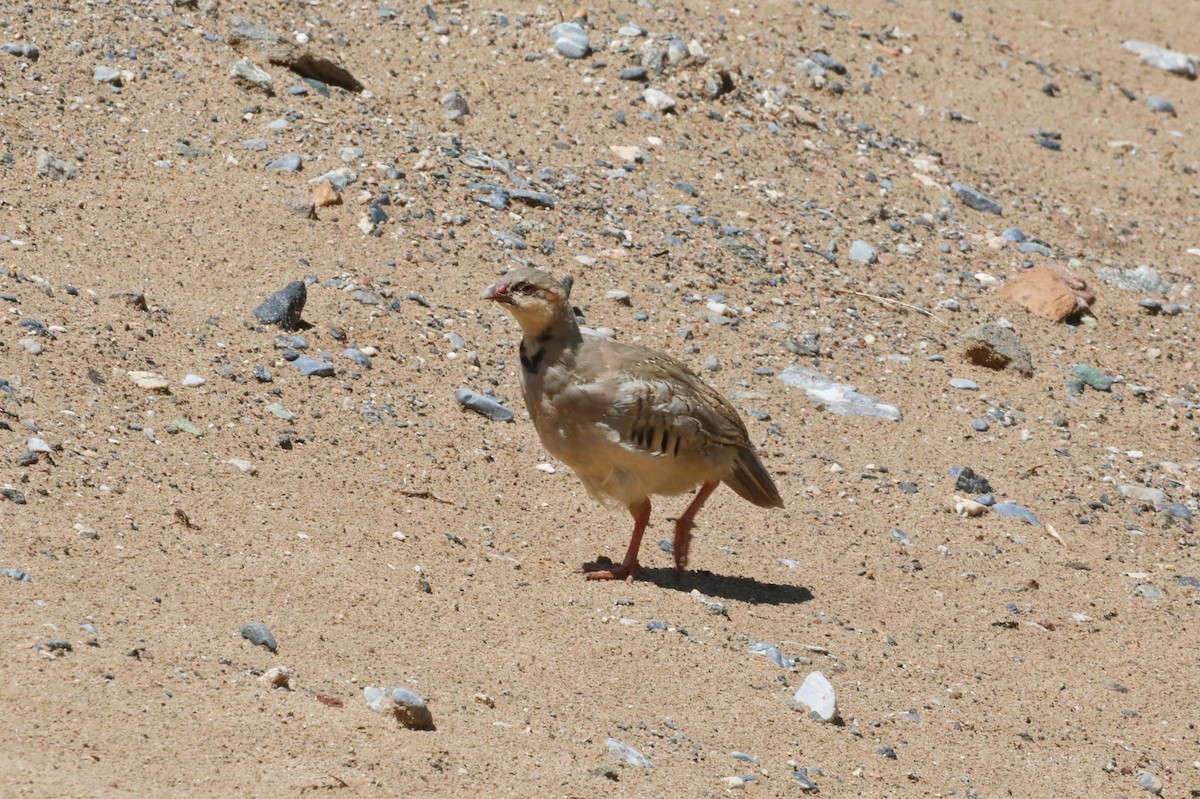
[(535, 298)]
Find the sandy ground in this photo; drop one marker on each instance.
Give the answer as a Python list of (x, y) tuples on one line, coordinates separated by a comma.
[(388, 537)]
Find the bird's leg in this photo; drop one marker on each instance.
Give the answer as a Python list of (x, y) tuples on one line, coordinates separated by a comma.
[(683, 526), (629, 568)]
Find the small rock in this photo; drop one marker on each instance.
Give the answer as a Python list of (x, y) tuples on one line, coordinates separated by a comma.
[(1092, 376), (257, 633), (627, 753), (483, 405), (149, 380), (456, 106), (1150, 782), (1049, 292), (658, 100), (863, 253), (246, 71), (1015, 511), (105, 74), (192, 381), (55, 168), (411, 710), (1160, 105), (284, 307), (570, 40), (963, 384), (285, 163), (976, 199), (967, 481), (277, 677), (816, 693), (994, 347), (313, 367), (1144, 279), (15, 574)]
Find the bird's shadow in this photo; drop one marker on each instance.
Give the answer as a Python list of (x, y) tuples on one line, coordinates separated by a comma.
[(741, 589)]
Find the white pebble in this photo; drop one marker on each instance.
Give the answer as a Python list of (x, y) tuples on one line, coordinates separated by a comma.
[(192, 381), (816, 693)]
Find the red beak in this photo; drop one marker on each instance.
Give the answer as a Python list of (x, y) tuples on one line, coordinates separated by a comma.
[(498, 292)]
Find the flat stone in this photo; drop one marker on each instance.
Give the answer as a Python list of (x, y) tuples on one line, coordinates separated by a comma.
[(994, 347), (483, 405), (976, 199), (246, 71), (863, 252), (1044, 292)]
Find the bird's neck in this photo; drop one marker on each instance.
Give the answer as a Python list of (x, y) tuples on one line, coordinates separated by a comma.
[(546, 343)]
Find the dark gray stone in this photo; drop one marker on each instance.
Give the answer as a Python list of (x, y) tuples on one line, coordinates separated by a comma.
[(284, 307), (257, 633)]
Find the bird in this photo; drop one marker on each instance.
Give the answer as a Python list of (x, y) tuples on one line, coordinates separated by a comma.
[(630, 421)]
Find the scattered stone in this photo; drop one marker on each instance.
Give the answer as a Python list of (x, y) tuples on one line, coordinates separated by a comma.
[(105, 74), (963, 384), (182, 425), (863, 253), (324, 195), (411, 710), (627, 753), (1050, 292), (1148, 781), (771, 651), (277, 677), (1144, 279), (14, 574), (994, 347), (285, 163), (1159, 105), (570, 40), (152, 381), (257, 633), (976, 199), (839, 398), (1091, 376), (247, 72), (55, 168), (192, 381), (658, 100), (1015, 511), (967, 481), (300, 203), (816, 694), (969, 508), (1162, 58), (483, 405), (313, 367), (456, 106), (284, 307)]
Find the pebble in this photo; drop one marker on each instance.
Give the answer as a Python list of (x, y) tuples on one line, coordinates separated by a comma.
[(1015, 511), (570, 40), (284, 307), (55, 168), (15, 574), (149, 380), (658, 100), (1159, 105), (1150, 782), (627, 753), (771, 651), (248, 72), (254, 144), (1144, 279), (411, 709), (967, 481), (963, 384), (863, 253), (1014, 234), (358, 356), (979, 425), (104, 74), (839, 398), (313, 367), (284, 163), (23, 50), (192, 381), (806, 785), (277, 677), (1162, 58), (901, 537), (816, 693), (976, 199), (257, 633), (483, 405), (1091, 376)]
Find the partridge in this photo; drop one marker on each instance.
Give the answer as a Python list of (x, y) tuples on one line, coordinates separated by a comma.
[(631, 422)]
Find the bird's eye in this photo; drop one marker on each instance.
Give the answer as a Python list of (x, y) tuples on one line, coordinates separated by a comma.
[(525, 288)]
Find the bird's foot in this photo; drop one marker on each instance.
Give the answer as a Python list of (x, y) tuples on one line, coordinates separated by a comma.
[(605, 569)]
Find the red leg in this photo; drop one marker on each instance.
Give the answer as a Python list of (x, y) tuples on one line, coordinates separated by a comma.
[(683, 527), (629, 567)]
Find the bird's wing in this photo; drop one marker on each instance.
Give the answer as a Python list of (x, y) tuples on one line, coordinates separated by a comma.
[(649, 401)]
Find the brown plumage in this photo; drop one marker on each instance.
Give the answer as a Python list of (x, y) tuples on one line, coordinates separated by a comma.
[(630, 421)]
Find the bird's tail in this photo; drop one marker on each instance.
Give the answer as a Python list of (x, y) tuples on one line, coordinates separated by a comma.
[(750, 479)]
